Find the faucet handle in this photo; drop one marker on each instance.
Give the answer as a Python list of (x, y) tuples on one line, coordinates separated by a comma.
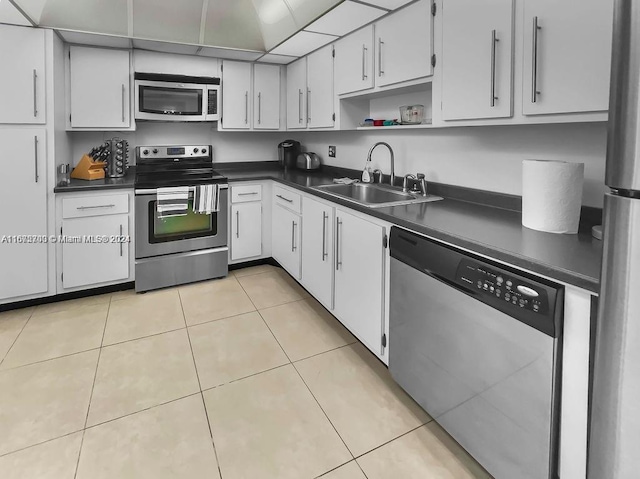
[(423, 183), (420, 176)]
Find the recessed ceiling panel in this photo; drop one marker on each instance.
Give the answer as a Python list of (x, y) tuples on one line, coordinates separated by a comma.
[(307, 11), (279, 59), (388, 4), (234, 24), (9, 14), (276, 22), (165, 47), (229, 54), (87, 15), (170, 20), (302, 43), (81, 38), (345, 18)]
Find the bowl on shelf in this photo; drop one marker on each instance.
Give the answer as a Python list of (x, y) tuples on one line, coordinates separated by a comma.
[(412, 114)]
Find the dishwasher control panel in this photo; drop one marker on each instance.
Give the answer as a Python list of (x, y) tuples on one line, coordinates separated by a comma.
[(504, 286)]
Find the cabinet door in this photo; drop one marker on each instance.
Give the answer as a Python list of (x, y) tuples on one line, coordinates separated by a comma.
[(236, 91), (317, 250), (359, 265), (266, 97), (246, 230), (477, 42), (320, 88), (86, 263), (354, 62), (99, 88), (285, 245), (22, 82), (23, 196), (567, 57), (404, 44), (297, 94)]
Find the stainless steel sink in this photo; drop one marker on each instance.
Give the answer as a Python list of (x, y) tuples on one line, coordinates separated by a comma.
[(375, 195)]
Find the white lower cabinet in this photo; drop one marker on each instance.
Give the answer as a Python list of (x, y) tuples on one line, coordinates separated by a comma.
[(285, 245), (86, 262), (246, 230), (23, 195), (359, 278), (317, 249)]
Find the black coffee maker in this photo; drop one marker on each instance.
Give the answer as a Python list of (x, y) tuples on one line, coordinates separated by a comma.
[(288, 152)]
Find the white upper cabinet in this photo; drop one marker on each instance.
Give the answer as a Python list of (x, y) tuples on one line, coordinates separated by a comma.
[(236, 95), (477, 43), (266, 97), (23, 266), (320, 88), (354, 62), (297, 94), (567, 54), (99, 88), (22, 81), (404, 44)]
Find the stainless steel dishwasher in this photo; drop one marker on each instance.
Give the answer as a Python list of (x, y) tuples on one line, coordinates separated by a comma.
[(477, 345)]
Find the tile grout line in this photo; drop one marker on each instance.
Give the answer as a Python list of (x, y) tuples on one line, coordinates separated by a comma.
[(391, 440), (93, 385), (50, 359), (40, 443), (204, 404), (16, 339), (245, 377)]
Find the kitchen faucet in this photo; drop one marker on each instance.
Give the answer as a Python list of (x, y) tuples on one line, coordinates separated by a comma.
[(393, 175)]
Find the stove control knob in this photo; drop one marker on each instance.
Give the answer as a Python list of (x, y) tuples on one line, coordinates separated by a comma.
[(204, 150), (155, 150), (118, 163), (145, 152), (196, 150)]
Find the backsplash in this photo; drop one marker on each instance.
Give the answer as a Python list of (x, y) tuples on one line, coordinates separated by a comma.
[(487, 157), (227, 146)]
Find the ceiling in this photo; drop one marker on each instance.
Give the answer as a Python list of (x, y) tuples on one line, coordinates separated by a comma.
[(273, 31)]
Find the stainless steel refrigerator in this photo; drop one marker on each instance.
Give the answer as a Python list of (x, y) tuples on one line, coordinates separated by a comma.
[(614, 439)]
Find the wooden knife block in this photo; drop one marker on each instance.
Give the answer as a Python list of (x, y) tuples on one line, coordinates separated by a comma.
[(89, 169)]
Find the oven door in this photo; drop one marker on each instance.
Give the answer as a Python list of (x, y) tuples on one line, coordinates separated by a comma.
[(178, 234), (168, 101)]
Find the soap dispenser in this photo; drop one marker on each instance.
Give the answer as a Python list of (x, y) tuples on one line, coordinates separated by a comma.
[(367, 172)]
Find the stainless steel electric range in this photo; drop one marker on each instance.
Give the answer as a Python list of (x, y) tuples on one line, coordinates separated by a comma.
[(177, 249)]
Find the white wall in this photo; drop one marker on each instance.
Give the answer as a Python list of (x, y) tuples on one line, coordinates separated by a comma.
[(227, 146), (488, 158)]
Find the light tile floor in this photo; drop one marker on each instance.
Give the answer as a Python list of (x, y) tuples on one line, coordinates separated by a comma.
[(242, 377)]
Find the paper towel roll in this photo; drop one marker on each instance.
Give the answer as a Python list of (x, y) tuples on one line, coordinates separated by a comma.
[(552, 195)]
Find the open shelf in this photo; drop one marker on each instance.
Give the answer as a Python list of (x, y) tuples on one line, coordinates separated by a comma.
[(396, 127)]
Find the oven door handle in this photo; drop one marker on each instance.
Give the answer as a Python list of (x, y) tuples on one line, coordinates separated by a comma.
[(154, 191)]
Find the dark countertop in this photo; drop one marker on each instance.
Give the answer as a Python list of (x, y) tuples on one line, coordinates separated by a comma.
[(487, 230), (95, 185)]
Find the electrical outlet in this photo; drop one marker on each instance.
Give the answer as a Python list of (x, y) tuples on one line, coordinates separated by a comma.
[(332, 151)]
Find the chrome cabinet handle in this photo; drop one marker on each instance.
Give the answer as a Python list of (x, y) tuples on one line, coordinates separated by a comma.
[(308, 105), (299, 105), (237, 224), (380, 70), (338, 262), (494, 41), (364, 57), (293, 236), (123, 103), (248, 194), (246, 107), (35, 149), (120, 240), (283, 198), (534, 60), (94, 207), (35, 93), (259, 107), (325, 216)]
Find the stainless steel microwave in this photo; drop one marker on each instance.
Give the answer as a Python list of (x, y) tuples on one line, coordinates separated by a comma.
[(164, 97)]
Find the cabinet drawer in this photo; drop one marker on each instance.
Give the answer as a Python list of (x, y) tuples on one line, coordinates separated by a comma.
[(288, 199), (96, 205), (245, 193)]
